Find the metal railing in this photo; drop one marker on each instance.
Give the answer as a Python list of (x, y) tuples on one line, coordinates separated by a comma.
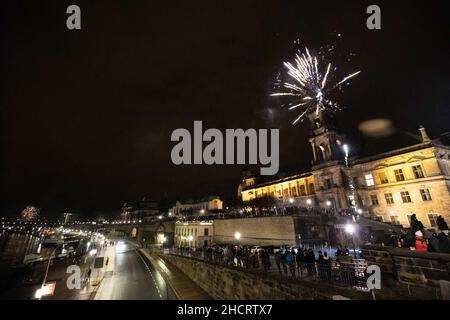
[(330, 271)]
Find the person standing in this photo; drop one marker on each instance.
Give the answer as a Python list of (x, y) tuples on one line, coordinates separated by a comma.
[(290, 261), (278, 260), (421, 243)]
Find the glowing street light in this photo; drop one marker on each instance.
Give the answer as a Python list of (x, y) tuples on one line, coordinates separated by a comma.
[(346, 150), (350, 229), (309, 202), (328, 203), (237, 235), (291, 200)]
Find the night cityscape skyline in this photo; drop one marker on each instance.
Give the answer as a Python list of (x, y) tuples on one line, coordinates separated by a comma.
[(87, 116), (225, 159)]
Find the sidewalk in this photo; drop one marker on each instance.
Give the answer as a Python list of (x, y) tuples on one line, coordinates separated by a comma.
[(183, 287)]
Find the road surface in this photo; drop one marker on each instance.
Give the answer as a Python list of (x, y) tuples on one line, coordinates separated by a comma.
[(130, 277)]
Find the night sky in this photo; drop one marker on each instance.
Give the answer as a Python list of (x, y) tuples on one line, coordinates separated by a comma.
[(86, 116)]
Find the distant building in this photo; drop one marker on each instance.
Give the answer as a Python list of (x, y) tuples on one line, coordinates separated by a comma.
[(197, 208), (194, 234), (391, 185), (70, 217), (142, 210)]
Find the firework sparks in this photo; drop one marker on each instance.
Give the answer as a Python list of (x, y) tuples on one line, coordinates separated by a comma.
[(30, 213), (310, 86)]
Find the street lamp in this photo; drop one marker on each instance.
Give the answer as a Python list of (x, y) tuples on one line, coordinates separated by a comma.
[(291, 200), (237, 235), (350, 229), (309, 202), (40, 291), (328, 203)]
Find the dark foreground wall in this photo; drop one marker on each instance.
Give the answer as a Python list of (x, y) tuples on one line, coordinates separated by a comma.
[(227, 283)]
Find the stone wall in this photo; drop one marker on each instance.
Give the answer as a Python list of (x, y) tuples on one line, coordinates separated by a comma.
[(278, 230), (420, 268), (226, 283), (256, 231)]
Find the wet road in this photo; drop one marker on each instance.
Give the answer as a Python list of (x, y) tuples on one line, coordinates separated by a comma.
[(132, 278)]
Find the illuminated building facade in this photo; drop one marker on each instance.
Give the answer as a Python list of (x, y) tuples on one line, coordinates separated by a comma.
[(197, 208), (194, 234), (391, 185)]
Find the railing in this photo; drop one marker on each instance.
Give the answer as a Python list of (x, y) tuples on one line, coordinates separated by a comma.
[(330, 271)]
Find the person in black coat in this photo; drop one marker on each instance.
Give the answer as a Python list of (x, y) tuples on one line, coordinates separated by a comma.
[(442, 225), (416, 225), (444, 242)]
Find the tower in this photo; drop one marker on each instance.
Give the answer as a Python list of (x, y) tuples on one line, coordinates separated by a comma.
[(326, 143)]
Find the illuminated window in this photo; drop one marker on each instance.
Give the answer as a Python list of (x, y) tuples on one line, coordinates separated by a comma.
[(426, 195), (394, 220), (418, 173), (383, 178), (369, 180), (294, 191), (433, 220), (389, 198), (399, 175), (302, 190), (374, 199), (406, 198)]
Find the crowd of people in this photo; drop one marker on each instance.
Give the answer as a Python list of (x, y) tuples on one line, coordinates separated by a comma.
[(288, 261), (421, 240)]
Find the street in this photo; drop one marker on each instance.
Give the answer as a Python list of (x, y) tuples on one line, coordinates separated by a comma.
[(130, 277)]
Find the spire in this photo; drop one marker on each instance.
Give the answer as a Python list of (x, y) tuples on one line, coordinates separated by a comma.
[(423, 133)]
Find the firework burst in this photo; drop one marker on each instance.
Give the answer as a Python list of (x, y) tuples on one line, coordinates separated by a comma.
[(30, 213), (309, 84)]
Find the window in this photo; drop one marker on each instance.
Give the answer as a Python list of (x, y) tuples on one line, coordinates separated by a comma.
[(406, 198), (328, 182), (399, 175), (294, 191), (374, 199), (389, 198), (409, 218), (394, 220), (426, 195), (286, 192), (206, 231), (312, 190), (369, 180), (383, 178), (302, 190), (433, 220), (418, 173)]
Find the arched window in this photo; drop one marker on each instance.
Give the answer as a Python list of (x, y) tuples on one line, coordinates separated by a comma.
[(312, 190), (303, 190)]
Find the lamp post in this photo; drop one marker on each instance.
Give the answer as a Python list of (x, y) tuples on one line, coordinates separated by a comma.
[(350, 229), (39, 291)]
